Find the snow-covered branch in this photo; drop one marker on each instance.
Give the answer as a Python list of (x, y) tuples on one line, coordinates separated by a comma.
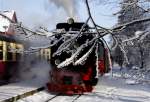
[(75, 55), (137, 35), (132, 23), (81, 60)]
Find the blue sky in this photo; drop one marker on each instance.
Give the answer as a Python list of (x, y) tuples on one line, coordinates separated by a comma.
[(34, 13)]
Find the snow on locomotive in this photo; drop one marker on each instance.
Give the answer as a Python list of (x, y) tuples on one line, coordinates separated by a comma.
[(77, 60)]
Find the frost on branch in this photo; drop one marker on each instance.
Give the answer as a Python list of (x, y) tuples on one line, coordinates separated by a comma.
[(73, 57), (82, 60)]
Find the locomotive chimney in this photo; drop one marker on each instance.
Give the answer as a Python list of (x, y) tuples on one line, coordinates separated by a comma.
[(70, 21)]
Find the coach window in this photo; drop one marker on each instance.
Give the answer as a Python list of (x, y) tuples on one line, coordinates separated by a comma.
[(1, 55), (12, 47), (9, 52), (9, 56), (45, 53), (13, 51), (48, 54), (4, 50), (41, 53), (1, 50), (19, 49), (1, 45)]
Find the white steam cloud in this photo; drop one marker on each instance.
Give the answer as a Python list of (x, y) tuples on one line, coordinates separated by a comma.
[(68, 5), (32, 66)]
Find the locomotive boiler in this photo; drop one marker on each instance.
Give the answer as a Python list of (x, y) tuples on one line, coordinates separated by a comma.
[(78, 59)]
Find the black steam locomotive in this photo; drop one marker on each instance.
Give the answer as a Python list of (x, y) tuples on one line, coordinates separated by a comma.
[(76, 75)]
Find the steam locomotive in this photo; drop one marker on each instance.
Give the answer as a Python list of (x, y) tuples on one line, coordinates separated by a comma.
[(77, 79)]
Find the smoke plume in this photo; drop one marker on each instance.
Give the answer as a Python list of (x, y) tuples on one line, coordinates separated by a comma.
[(32, 65), (68, 5)]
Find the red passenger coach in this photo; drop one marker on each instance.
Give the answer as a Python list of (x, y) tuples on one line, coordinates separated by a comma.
[(72, 78), (10, 57)]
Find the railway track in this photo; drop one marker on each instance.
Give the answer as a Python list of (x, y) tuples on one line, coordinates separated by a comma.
[(22, 91), (19, 91), (15, 92), (76, 98), (52, 98), (67, 98)]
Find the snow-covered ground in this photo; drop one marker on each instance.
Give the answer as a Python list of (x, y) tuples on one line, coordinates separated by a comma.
[(19, 89), (109, 89)]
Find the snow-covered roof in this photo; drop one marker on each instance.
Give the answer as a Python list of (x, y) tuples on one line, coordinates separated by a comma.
[(4, 22)]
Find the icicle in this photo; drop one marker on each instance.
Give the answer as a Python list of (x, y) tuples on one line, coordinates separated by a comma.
[(84, 57)]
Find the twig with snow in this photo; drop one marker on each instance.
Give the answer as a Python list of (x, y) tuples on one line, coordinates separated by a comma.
[(81, 60)]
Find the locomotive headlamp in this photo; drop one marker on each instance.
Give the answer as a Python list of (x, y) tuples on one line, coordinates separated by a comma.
[(70, 21)]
